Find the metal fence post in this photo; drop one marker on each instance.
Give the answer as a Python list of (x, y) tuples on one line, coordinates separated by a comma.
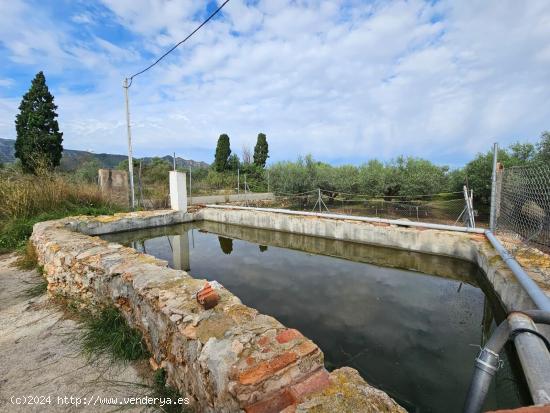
[(469, 207), (493, 216)]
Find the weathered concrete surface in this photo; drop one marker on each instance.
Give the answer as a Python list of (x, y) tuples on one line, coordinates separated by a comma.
[(341, 395), (221, 199), (127, 221), (40, 355), (467, 246), (114, 186), (353, 251), (226, 359)]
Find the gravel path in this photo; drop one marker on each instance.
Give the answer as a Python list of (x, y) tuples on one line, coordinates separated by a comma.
[(40, 355)]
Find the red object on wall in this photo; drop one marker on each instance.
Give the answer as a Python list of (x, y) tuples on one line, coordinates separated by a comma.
[(208, 297)]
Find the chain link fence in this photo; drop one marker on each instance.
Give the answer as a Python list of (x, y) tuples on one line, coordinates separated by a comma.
[(523, 208), (443, 208)]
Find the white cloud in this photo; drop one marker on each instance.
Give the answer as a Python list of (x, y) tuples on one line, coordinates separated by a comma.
[(441, 81), (6, 82)]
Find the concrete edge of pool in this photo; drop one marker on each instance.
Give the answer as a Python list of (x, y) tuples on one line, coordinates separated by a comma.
[(232, 358)]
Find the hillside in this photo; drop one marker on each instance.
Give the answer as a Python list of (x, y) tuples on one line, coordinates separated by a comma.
[(72, 159)]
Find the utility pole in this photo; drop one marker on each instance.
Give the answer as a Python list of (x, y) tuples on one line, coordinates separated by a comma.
[(130, 160), (174, 159), (493, 215), (190, 187), (238, 181), (140, 201)]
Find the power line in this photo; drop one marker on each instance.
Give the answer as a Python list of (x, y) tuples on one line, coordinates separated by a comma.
[(178, 44)]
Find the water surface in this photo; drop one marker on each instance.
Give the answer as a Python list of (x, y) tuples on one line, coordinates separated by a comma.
[(410, 323)]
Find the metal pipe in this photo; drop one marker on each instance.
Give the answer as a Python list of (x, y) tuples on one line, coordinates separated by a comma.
[(532, 352), (486, 364), (538, 316), (358, 218), (534, 357), (531, 287), (492, 216)]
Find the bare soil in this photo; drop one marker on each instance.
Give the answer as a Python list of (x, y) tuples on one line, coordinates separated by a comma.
[(40, 356)]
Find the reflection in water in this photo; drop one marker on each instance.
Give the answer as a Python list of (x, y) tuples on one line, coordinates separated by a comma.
[(411, 334), (226, 244), (180, 252)]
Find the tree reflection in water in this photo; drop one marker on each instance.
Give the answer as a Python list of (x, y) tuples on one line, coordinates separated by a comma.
[(226, 244)]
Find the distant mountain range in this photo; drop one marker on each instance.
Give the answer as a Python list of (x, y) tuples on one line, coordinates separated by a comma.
[(72, 159)]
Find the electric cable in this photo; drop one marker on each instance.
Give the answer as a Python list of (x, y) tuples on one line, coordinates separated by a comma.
[(177, 44)]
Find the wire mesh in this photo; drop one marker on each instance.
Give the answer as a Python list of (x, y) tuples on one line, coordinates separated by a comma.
[(444, 208), (523, 208)]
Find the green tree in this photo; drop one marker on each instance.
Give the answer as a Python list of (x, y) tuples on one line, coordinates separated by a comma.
[(261, 150), (543, 147), (372, 178), (523, 152), (422, 177), (478, 174), (223, 151), (233, 162), (87, 171), (38, 144), (155, 171)]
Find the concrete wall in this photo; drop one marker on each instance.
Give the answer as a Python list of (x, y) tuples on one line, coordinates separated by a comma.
[(221, 199), (467, 246), (114, 185)]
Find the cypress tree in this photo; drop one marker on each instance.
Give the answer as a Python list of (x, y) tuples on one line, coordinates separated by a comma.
[(223, 151), (261, 151), (38, 143)]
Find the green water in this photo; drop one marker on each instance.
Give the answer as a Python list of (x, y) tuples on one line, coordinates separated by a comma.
[(410, 323)]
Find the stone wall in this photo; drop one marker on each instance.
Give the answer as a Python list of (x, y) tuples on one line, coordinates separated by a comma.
[(227, 359)]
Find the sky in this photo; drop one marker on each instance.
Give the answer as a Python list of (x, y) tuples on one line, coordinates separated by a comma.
[(344, 80)]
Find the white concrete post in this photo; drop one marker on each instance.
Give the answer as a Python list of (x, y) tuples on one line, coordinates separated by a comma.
[(178, 191)]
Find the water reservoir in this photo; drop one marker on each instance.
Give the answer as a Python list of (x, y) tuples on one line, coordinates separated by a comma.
[(410, 323)]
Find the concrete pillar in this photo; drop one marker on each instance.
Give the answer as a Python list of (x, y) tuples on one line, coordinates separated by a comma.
[(178, 191)]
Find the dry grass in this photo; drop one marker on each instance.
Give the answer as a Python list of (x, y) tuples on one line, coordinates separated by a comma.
[(24, 196), (27, 199)]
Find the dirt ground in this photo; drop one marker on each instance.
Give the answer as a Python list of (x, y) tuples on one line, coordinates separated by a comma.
[(40, 356)]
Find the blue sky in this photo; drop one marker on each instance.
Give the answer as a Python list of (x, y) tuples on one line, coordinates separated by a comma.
[(345, 80)]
